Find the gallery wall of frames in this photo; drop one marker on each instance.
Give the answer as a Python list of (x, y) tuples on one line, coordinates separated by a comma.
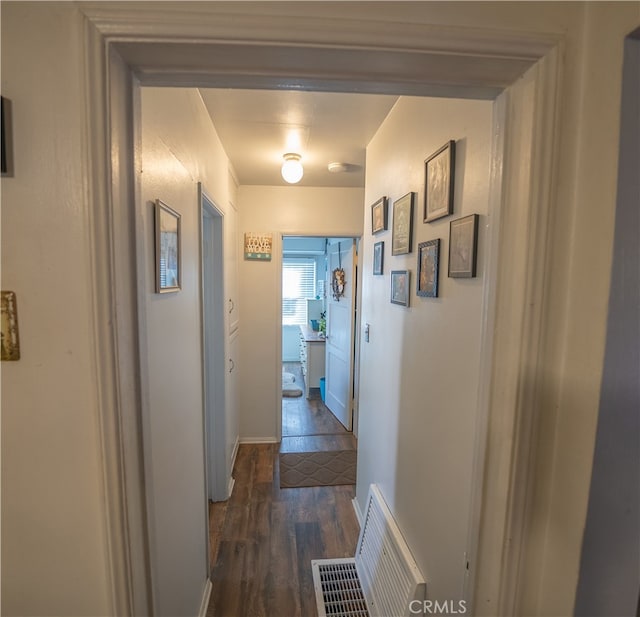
[(438, 202)]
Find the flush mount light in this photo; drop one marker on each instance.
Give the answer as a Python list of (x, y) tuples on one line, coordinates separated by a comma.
[(292, 168), (336, 168)]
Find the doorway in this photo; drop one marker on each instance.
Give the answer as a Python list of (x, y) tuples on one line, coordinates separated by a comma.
[(213, 347), (544, 117), (318, 374)]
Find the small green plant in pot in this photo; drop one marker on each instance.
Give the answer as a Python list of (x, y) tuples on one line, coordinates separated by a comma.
[(322, 323)]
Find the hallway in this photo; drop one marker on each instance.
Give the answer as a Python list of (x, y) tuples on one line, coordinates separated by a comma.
[(264, 538)]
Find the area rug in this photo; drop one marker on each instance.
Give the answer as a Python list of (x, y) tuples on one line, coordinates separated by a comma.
[(289, 390), (299, 469)]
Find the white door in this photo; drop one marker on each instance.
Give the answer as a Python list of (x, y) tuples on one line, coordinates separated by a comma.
[(339, 341)]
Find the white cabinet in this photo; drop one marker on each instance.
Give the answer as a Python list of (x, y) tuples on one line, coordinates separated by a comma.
[(311, 358)]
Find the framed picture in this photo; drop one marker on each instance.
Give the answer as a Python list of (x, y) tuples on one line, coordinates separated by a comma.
[(168, 246), (439, 174), (9, 326), (400, 282), (378, 257), (379, 215), (402, 233), (428, 266), (463, 247)]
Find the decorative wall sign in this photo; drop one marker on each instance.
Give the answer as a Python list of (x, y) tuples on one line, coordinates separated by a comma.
[(463, 247), (400, 281), (379, 215), (168, 247), (402, 234), (9, 327), (428, 266), (258, 246), (378, 257), (439, 174)]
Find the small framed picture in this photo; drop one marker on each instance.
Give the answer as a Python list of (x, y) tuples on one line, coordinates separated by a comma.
[(400, 282), (439, 171), (402, 233), (428, 266), (378, 257), (9, 329), (379, 215), (168, 246), (463, 247)]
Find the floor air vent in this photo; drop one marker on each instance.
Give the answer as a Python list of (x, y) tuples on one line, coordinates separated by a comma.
[(338, 590), (382, 579)]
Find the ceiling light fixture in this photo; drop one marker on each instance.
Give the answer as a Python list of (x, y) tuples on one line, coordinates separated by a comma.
[(292, 170), (337, 168)]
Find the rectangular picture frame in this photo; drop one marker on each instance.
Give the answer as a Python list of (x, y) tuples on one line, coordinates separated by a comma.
[(463, 247), (400, 287), (378, 258), (402, 232), (168, 248), (9, 326), (428, 268), (379, 215), (439, 176)]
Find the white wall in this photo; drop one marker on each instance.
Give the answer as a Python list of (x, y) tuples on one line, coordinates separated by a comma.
[(286, 210), (179, 147), (54, 547), (419, 371)]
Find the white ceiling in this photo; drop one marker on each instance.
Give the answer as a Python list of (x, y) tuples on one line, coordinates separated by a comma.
[(257, 127)]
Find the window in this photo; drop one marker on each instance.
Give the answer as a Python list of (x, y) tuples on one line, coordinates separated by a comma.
[(298, 284)]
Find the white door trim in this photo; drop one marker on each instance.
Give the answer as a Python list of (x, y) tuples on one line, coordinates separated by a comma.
[(163, 46), (214, 364)]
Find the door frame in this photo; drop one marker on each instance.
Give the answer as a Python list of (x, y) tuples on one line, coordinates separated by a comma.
[(213, 348), (129, 46), (279, 254)]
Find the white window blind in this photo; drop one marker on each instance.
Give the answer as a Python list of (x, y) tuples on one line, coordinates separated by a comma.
[(298, 284)]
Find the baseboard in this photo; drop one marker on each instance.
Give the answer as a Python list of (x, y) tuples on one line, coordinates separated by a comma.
[(232, 483), (256, 440), (206, 594), (234, 454), (357, 510)]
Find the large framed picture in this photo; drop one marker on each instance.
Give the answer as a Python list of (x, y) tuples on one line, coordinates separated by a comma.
[(463, 247), (402, 233), (400, 281), (378, 257), (379, 215), (439, 171), (168, 247), (428, 266)]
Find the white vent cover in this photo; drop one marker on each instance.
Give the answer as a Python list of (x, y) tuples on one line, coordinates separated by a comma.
[(386, 572)]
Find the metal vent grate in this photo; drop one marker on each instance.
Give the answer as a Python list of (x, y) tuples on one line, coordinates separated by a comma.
[(338, 589)]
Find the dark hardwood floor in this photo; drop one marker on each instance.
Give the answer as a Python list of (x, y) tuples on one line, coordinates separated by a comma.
[(266, 537)]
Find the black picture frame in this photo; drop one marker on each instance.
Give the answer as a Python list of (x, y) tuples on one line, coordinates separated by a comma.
[(428, 268), (379, 215), (378, 258), (168, 249), (402, 233), (6, 138), (463, 247), (439, 178), (400, 287)]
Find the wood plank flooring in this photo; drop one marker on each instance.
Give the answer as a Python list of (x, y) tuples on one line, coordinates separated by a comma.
[(304, 417), (268, 536)]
